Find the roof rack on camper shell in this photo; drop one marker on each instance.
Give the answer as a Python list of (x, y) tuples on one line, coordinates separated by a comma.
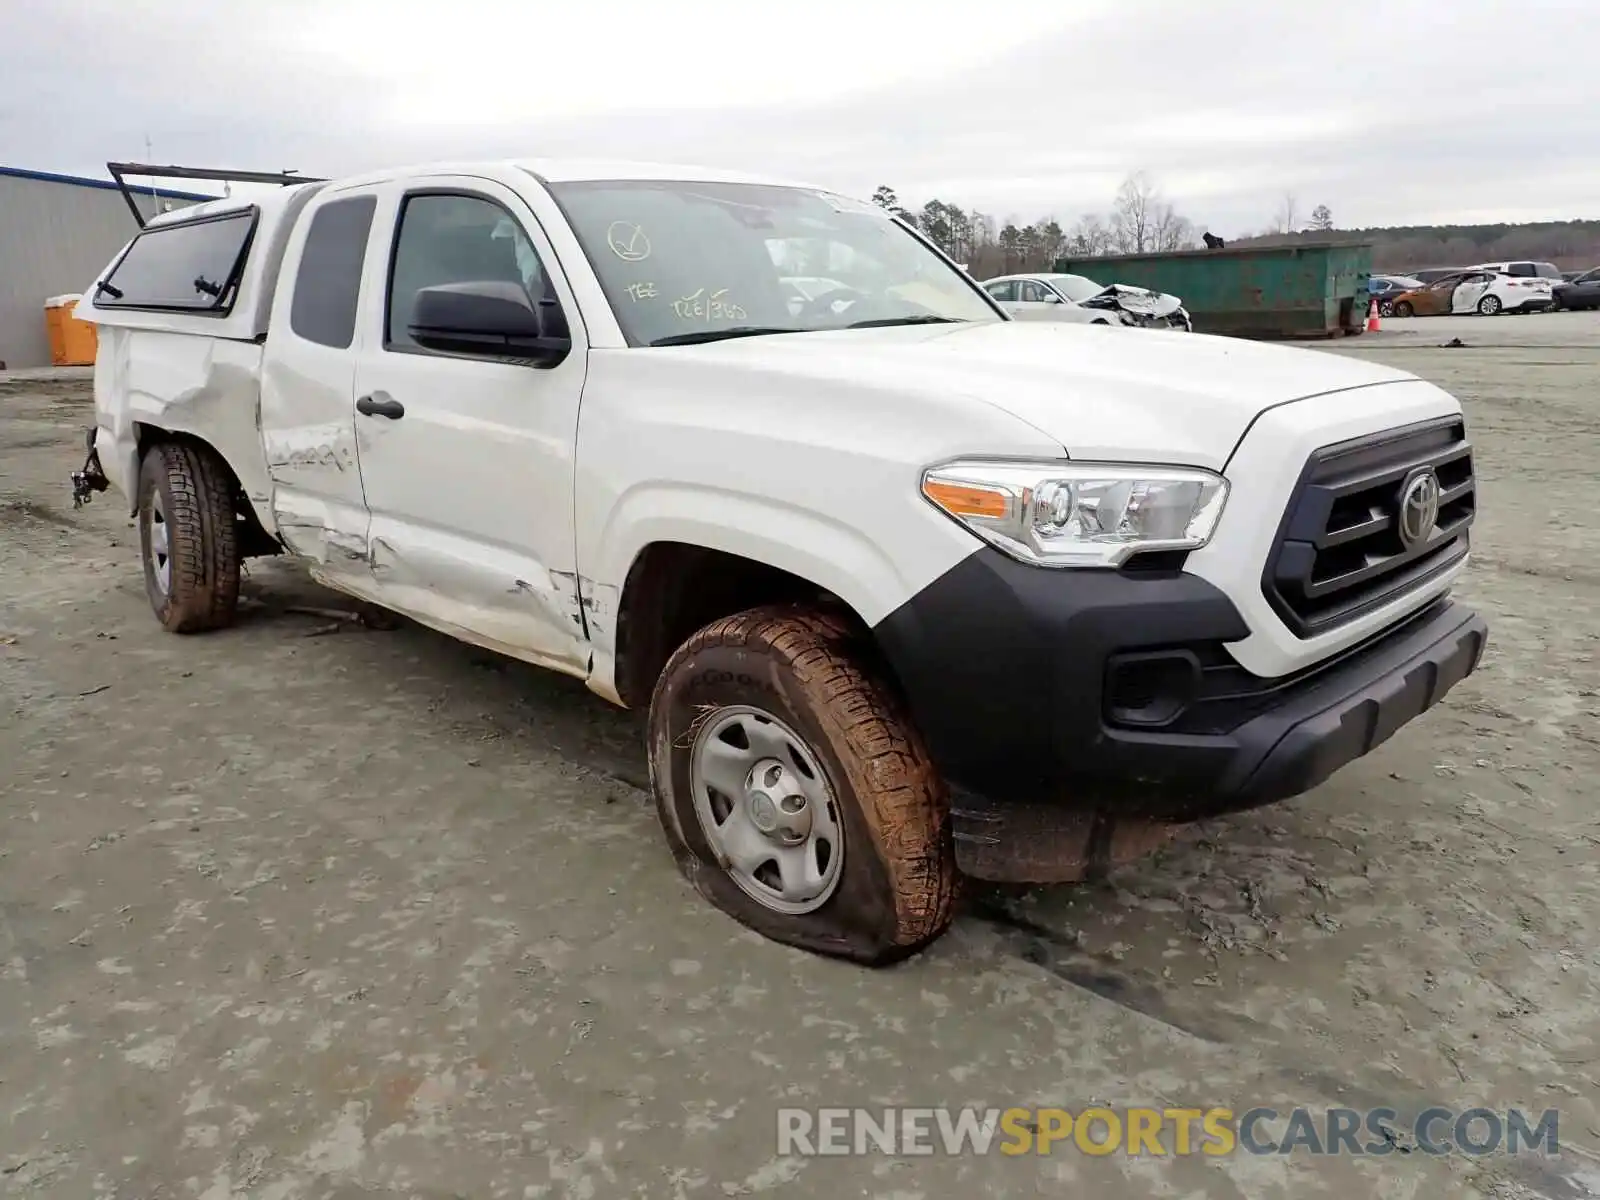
[(119, 171)]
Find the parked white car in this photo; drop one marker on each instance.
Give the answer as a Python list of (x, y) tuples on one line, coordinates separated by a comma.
[(1078, 299), (906, 588), (1490, 292)]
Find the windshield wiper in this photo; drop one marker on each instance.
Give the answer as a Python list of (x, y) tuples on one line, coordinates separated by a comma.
[(920, 319), (717, 335)]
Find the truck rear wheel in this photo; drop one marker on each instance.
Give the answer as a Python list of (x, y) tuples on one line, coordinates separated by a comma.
[(795, 794), (188, 536)]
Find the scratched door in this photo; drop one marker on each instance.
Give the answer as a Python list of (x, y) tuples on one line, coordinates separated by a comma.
[(467, 462), (308, 381)]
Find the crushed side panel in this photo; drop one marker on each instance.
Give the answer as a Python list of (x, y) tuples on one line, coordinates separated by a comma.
[(184, 383)]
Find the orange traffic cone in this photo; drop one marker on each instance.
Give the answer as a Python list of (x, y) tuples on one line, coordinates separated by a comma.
[(1373, 325)]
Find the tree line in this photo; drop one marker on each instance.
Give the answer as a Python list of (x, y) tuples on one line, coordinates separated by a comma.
[(1142, 220)]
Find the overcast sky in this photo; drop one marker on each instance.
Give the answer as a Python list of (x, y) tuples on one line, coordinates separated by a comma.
[(1388, 111)]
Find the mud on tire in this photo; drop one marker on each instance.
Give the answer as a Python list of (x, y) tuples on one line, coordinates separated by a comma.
[(187, 489), (897, 884)]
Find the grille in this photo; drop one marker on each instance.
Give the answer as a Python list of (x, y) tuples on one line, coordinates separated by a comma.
[(1340, 552)]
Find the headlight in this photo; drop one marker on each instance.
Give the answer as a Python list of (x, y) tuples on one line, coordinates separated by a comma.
[(1079, 514)]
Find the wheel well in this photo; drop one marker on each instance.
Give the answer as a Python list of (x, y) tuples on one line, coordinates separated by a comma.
[(254, 540), (673, 589)]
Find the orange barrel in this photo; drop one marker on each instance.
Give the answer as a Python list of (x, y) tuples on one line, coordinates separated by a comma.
[(72, 342)]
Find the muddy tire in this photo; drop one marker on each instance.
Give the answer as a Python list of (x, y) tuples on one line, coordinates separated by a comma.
[(188, 537), (1403, 309), (783, 700)]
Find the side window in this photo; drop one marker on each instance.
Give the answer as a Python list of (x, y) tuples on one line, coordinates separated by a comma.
[(328, 282), (1523, 268), (1030, 292), (1006, 291), (193, 266), (456, 238)]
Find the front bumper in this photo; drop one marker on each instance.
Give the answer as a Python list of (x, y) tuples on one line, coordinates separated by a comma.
[(1112, 694)]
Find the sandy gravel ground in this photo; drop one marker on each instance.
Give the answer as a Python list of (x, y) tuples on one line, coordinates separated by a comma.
[(290, 913)]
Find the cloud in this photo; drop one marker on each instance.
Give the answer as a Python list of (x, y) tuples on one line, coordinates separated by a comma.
[(1409, 110)]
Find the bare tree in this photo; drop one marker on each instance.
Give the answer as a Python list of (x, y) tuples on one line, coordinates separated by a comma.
[(1089, 237), (1169, 231), (1131, 213), (1288, 218), (1322, 218)]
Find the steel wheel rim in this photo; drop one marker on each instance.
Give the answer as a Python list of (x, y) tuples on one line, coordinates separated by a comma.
[(766, 810), (158, 544)]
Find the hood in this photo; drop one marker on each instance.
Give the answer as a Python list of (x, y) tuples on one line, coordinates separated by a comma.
[(1140, 300), (1139, 395)]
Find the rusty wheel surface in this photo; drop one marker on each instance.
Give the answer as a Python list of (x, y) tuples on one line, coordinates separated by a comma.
[(188, 537), (794, 792)]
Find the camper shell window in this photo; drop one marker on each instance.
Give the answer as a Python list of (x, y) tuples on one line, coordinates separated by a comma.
[(189, 266)]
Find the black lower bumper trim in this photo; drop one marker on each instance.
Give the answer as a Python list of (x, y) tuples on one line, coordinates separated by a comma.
[(1010, 672), (1292, 749)]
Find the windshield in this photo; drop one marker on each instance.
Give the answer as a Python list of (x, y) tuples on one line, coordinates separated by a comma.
[(1074, 287), (687, 262)]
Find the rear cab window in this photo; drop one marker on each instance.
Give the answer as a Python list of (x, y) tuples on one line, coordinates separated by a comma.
[(327, 285), (187, 266)]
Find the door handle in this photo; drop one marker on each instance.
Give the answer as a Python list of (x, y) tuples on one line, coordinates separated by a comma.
[(372, 406)]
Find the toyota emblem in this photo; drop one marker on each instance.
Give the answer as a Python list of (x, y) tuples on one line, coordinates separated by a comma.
[(1419, 508)]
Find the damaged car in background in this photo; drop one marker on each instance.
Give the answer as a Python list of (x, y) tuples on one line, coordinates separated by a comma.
[(1080, 299), (1484, 292)]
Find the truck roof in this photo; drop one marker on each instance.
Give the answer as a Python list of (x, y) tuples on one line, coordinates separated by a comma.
[(569, 170), (271, 201), (276, 207)]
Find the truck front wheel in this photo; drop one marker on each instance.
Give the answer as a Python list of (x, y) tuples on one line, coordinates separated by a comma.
[(795, 794), (188, 536)]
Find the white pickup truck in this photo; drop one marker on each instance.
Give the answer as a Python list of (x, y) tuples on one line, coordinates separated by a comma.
[(909, 590)]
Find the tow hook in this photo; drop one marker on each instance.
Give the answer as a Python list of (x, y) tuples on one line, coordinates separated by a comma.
[(91, 479)]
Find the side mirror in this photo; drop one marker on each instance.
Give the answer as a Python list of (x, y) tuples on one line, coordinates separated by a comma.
[(486, 317)]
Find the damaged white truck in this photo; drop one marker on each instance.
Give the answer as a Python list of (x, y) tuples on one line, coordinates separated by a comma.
[(908, 590)]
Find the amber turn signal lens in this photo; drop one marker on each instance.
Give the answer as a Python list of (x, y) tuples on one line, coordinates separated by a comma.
[(966, 500)]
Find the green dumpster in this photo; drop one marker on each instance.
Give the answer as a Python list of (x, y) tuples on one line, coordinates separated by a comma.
[(1304, 289)]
